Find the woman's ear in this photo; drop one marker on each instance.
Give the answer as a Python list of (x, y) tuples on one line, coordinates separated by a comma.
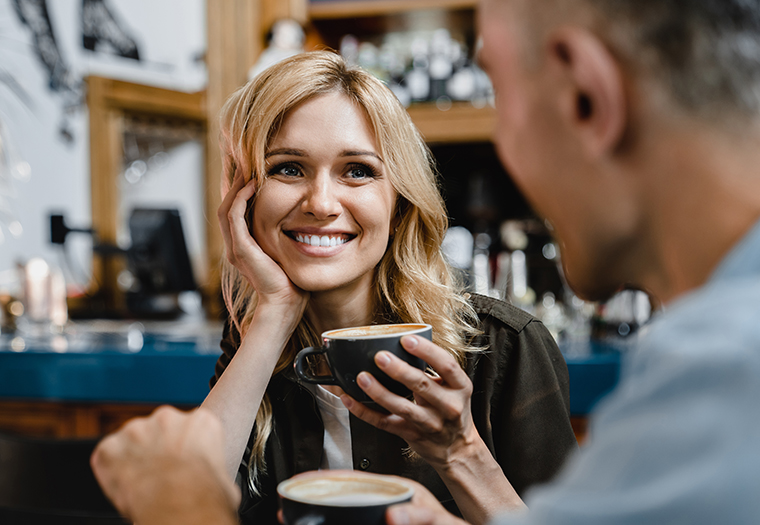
[(593, 99)]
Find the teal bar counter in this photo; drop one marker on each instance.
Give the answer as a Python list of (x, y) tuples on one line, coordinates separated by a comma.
[(591, 378), (155, 363), (112, 362)]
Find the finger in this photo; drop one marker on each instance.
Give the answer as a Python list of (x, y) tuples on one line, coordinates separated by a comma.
[(426, 388), (105, 465), (237, 212), (101, 457), (429, 392), (412, 377), (406, 417), (373, 417), (398, 425), (229, 196), (238, 181), (165, 417), (224, 209), (439, 359), (410, 514), (241, 239)]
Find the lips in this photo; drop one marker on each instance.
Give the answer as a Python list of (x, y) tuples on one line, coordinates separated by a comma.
[(323, 241)]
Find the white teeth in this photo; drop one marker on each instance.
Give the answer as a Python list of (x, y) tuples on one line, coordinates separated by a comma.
[(324, 241)]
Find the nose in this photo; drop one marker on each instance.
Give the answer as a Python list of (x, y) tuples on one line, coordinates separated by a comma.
[(322, 199)]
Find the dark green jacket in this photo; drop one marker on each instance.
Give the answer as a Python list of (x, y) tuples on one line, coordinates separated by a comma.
[(520, 406)]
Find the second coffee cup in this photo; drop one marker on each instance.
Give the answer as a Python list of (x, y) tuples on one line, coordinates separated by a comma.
[(349, 351), (340, 498)]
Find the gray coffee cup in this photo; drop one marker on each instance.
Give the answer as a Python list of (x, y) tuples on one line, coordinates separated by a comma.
[(339, 498), (352, 350)]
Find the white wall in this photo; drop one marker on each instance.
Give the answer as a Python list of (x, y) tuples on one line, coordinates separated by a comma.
[(170, 35)]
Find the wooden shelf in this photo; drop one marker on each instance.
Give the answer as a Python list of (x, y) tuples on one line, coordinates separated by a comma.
[(461, 123), (350, 9), (67, 420), (109, 102), (139, 98), (373, 18)]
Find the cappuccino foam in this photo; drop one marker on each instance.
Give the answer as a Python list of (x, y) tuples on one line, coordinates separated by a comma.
[(353, 500), (373, 330), (345, 492)]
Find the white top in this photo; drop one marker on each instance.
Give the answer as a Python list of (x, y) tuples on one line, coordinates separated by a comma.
[(337, 441)]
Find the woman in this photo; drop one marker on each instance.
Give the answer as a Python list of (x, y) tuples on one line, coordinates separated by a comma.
[(332, 218)]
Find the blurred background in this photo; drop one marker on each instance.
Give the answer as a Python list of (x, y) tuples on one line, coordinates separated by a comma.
[(109, 184)]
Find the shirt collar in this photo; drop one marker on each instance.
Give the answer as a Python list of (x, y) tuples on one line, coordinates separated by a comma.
[(743, 259)]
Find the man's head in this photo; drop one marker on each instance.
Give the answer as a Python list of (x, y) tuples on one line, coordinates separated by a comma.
[(595, 101)]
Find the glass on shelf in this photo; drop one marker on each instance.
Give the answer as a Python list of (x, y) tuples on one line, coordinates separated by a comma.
[(420, 66)]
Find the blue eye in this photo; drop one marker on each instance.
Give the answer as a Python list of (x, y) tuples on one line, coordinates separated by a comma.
[(287, 170), (360, 171)]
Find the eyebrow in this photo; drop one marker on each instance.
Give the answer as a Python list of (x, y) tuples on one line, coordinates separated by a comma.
[(285, 151), (301, 153), (360, 153)]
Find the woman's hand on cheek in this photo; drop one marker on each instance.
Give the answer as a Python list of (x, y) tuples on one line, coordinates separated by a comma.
[(242, 251), (437, 424)]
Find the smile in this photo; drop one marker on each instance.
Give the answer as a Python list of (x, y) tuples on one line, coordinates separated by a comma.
[(323, 241)]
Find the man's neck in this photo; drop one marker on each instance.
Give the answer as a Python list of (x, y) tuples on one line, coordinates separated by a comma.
[(707, 185)]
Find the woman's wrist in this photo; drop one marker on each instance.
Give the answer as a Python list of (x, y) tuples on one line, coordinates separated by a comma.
[(467, 451), (277, 317), (477, 482), (464, 449)]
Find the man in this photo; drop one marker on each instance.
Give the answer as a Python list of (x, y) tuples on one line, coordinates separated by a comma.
[(168, 468), (634, 127)]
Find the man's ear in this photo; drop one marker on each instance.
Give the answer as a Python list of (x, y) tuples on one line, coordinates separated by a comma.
[(596, 103)]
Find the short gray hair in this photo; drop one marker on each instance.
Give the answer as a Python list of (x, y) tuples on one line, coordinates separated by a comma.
[(706, 52)]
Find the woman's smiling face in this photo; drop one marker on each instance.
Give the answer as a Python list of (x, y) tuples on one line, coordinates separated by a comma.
[(324, 211)]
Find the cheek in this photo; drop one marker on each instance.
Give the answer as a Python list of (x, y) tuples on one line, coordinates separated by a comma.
[(374, 209), (383, 219), (268, 209)]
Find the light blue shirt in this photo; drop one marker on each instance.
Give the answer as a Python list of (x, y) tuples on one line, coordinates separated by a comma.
[(678, 441)]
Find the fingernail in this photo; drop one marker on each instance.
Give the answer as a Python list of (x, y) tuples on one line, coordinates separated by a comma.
[(348, 402), (410, 341), (398, 516), (363, 380), (382, 359)]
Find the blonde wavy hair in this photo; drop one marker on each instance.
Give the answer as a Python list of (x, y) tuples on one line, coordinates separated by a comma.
[(413, 282)]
